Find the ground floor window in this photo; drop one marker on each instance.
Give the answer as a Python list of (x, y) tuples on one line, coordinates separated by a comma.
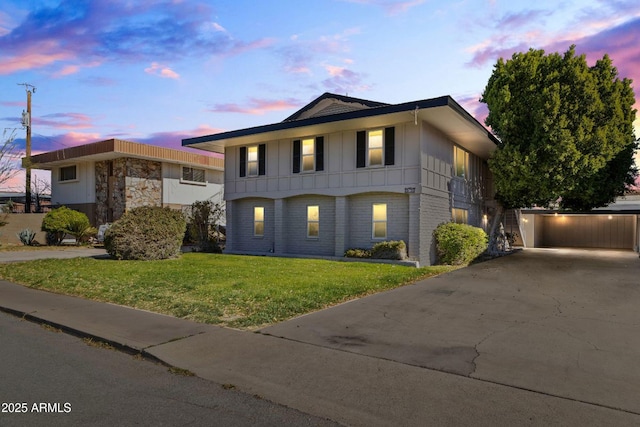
[(379, 226), (313, 221), (258, 221), (460, 216)]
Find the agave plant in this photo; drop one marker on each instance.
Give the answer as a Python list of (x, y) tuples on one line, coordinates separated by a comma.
[(27, 236)]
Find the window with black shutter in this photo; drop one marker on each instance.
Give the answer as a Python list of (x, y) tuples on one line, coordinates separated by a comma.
[(375, 147)]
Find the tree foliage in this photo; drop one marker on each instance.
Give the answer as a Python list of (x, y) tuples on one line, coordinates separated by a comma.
[(565, 130), (8, 156)]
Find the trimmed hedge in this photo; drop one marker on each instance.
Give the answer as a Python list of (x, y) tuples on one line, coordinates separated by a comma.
[(146, 233), (382, 250), (389, 250), (459, 244)]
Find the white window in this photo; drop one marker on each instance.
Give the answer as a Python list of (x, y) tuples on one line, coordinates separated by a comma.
[(252, 160), (67, 173), (308, 154), (459, 216), (461, 162), (258, 221), (375, 148), (379, 226), (313, 221), (193, 175)]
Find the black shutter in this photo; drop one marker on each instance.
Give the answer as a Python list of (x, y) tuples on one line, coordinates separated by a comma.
[(296, 156), (320, 153), (243, 161), (361, 149), (262, 151), (389, 146)]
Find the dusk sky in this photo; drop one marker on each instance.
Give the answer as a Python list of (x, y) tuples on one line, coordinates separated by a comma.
[(159, 71)]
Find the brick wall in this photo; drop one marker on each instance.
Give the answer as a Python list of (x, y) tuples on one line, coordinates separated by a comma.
[(295, 224), (242, 237), (361, 218)]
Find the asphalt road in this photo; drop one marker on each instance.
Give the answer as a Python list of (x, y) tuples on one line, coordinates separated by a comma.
[(48, 378)]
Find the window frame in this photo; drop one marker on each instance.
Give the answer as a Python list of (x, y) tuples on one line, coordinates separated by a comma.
[(248, 166), (314, 146), (465, 162), (375, 221), (455, 215), (386, 149), (75, 174), (313, 221), (252, 149), (258, 221), (191, 170)]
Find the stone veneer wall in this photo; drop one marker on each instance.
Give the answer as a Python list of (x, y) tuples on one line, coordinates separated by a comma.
[(143, 182), (134, 183)]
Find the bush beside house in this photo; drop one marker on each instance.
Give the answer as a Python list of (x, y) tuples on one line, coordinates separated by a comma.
[(146, 233), (396, 250), (459, 244), (62, 221)]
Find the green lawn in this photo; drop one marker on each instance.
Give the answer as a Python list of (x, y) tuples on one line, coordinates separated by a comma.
[(237, 291)]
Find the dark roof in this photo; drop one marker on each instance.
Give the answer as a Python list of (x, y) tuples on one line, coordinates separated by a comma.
[(379, 109), (327, 95)]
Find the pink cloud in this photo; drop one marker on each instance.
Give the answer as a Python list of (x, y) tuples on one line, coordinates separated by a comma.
[(257, 106), (160, 70), (476, 108), (518, 20), (343, 80), (392, 7), (37, 55), (64, 121)]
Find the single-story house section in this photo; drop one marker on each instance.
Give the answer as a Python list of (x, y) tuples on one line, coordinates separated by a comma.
[(104, 179), (346, 173), (616, 226)]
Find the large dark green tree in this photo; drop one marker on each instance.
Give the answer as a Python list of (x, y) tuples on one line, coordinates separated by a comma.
[(565, 130)]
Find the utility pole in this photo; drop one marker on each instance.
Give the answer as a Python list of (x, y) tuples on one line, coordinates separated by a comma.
[(26, 122)]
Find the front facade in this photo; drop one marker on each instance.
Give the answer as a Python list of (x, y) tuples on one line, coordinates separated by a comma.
[(347, 173), (106, 178)]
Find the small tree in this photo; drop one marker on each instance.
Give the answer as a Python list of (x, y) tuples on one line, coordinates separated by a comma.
[(204, 224), (8, 156), (565, 130)]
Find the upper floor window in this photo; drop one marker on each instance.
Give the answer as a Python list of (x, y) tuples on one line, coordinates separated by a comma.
[(375, 147), (313, 221), (379, 221), (193, 174), (252, 160), (67, 173), (460, 162), (308, 154)]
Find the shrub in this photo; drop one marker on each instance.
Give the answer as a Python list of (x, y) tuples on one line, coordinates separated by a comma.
[(204, 225), (80, 228), (389, 250), (27, 236), (357, 253), (459, 244), (146, 233), (59, 221)]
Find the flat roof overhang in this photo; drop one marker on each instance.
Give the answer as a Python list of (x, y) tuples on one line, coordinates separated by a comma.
[(116, 148), (444, 114)]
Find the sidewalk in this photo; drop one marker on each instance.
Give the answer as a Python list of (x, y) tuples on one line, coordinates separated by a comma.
[(348, 388)]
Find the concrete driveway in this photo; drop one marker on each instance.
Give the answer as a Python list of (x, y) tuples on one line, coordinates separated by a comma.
[(556, 321)]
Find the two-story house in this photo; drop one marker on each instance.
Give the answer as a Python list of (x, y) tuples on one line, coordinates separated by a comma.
[(346, 173)]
